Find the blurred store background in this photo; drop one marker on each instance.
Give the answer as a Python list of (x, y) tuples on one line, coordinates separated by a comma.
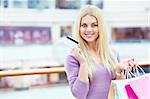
[(32, 35)]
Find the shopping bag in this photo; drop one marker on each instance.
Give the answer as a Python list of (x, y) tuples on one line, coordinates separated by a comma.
[(140, 86), (131, 94), (117, 88), (111, 93)]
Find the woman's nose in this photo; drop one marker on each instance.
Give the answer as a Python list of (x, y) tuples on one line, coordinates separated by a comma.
[(89, 28)]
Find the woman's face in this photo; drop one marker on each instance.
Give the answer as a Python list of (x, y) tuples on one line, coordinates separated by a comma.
[(89, 28)]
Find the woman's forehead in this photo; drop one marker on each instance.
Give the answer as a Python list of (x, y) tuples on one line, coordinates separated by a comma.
[(88, 18)]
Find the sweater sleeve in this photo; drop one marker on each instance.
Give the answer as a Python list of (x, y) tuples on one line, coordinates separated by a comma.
[(79, 88), (118, 60), (116, 53)]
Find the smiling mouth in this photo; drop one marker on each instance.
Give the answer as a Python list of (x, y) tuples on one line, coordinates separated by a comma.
[(89, 34)]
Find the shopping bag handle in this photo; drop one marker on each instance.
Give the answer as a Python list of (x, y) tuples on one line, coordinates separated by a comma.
[(132, 72)]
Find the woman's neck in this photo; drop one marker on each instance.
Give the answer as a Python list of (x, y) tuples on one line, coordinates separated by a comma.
[(92, 47), (95, 57)]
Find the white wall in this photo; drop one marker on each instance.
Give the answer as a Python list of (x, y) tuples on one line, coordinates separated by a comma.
[(124, 13)]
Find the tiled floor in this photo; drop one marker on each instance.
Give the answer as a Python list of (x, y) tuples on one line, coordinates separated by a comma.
[(59, 91)]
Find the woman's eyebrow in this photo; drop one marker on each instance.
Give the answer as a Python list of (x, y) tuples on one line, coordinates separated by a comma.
[(94, 23), (87, 23), (83, 23)]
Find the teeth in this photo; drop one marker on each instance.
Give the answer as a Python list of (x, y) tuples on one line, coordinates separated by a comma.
[(89, 35)]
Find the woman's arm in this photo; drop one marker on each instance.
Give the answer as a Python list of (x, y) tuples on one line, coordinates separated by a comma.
[(83, 73), (118, 70), (77, 77), (118, 73)]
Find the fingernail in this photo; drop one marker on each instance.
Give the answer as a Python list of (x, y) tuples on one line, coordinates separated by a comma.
[(129, 64)]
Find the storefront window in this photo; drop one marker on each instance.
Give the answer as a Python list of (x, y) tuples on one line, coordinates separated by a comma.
[(98, 3), (131, 34), (66, 30), (19, 4), (0, 4), (5, 3), (76, 4), (68, 4), (39, 4), (13, 35)]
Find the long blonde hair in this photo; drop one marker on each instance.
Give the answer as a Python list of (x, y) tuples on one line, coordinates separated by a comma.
[(102, 44)]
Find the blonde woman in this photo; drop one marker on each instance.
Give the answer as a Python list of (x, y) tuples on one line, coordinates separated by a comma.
[(92, 65)]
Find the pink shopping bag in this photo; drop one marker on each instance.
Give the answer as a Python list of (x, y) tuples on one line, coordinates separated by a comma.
[(140, 87), (131, 94)]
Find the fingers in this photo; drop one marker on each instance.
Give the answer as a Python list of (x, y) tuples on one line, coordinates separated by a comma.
[(76, 49), (77, 52), (132, 63), (126, 64)]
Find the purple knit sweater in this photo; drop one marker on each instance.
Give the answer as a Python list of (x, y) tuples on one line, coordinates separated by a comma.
[(98, 87)]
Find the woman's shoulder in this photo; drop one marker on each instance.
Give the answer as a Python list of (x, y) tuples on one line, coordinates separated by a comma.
[(71, 54), (116, 53), (71, 57), (71, 61)]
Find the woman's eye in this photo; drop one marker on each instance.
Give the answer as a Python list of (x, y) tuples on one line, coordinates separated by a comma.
[(94, 25), (84, 25)]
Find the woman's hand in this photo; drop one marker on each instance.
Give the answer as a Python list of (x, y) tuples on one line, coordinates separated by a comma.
[(83, 71), (124, 65), (78, 54)]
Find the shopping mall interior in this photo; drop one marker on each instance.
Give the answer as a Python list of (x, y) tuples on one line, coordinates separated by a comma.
[(33, 43)]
